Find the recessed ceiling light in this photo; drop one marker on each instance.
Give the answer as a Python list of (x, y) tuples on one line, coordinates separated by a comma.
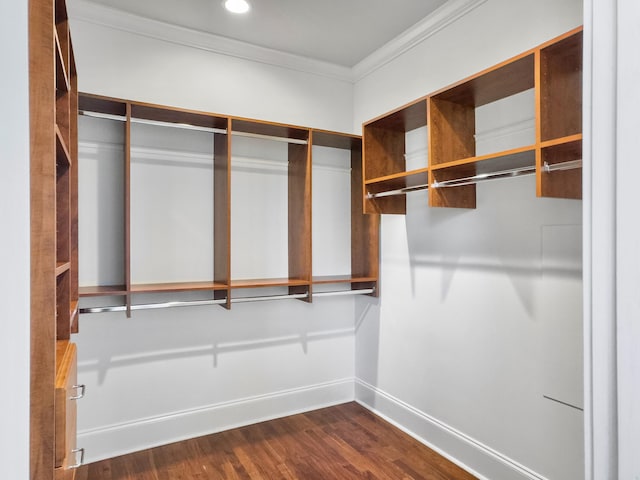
[(237, 6)]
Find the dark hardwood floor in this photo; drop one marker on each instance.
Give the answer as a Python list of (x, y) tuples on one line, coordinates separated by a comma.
[(342, 442)]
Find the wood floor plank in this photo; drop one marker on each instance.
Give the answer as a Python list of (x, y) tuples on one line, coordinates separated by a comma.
[(345, 442)]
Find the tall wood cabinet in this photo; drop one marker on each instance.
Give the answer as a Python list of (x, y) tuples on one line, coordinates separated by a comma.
[(451, 165), (54, 244)]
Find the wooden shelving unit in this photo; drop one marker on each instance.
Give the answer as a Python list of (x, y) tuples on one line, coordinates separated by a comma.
[(384, 160), (365, 229), (553, 70), (559, 105), (299, 146), (54, 240)]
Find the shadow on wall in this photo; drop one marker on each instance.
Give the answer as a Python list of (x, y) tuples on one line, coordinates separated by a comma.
[(111, 341), (502, 236)]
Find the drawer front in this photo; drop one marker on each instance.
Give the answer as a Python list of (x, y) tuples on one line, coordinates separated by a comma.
[(66, 409)]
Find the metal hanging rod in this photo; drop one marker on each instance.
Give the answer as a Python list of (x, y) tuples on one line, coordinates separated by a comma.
[(512, 172), (191, 303), (187, 126), (554, 167), (458, 182), (151, 306), (268, 297), (339, 293), (399, 191)]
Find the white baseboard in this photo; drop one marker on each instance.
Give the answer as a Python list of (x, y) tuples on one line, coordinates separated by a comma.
[(478, 459), (114, 440)]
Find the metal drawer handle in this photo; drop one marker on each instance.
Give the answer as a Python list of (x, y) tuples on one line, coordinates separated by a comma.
[(80, 395), (75, 451)]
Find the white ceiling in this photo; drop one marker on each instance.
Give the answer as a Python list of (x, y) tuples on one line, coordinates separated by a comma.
[(342, 32)]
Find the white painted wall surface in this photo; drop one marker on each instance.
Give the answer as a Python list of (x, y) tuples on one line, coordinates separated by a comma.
[(491, 33), (14, 254), (165, 375), (459, 351), (125, 65)]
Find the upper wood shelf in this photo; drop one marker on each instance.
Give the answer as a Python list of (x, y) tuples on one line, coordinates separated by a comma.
[(179, 116), (503, 80), (177, 287), (268, 282), (484, 164), (102, 290), (63, 85), (403, 119), (345, 141), (63, 157), (553, 70), (336, 279), (399, 180), (62, 267)]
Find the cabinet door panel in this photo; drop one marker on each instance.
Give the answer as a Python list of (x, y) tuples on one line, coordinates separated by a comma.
[(65, 405)]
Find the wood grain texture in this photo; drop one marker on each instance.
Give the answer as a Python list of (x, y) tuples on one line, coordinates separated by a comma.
[(564, 183), (222, 212), (299, 207), (365, 231), (127, 208), (561, 88), (73, 192), (341, 442), (66, 378), (500, 81), (451, 138), (42, 76), (383, 155)]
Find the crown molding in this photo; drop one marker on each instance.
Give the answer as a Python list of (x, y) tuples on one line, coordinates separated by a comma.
[(89, 12), (96, 14), (444, 16)]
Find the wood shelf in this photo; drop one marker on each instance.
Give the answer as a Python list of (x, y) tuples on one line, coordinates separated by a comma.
[(163, 114), (74, 313), (63, 84), (102, 290), (562, 140), (399, 180), (268, 282), (484, 164), (500, 81), (259, 127), (553, 70), (336, 279), (63, 157), (177, 287), (62, 267)]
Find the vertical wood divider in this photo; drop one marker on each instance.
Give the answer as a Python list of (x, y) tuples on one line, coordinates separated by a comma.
[(42, 233), (127, 210), (299, 208), (538, 119), (73, 197), (222, 213), (365, 229)]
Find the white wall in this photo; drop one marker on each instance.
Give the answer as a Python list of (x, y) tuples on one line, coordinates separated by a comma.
[(461, 349), (14, 254), (169, 374), (124, 65)]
